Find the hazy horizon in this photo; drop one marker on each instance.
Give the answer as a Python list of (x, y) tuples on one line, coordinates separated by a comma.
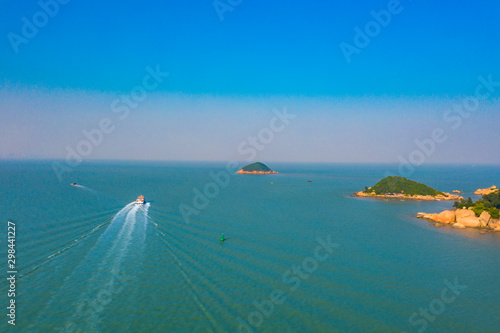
[(179, 127)]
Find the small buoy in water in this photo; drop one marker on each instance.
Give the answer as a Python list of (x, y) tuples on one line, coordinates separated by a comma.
[(222, 237), (271, 182)]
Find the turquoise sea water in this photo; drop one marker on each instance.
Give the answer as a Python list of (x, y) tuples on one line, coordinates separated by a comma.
[(90, 261)]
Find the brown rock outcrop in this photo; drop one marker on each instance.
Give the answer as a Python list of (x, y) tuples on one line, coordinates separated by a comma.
[(447, 216), (484, 218), (494, 223), (470, 222), (430, 216), (467, 218), (463, 213), (463, 218), (486, 191)]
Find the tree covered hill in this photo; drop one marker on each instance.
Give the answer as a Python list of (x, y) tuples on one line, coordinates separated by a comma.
[(397, 185), (257, 166)]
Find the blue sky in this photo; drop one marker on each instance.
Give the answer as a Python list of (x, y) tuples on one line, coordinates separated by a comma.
[(226, 77)]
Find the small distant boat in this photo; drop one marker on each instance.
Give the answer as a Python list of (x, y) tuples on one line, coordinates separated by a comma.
[(140, 200), (74, 184), (309, 181)]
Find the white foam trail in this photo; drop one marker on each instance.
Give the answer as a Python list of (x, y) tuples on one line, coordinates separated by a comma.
[(88, 189), (144, 225), (104, 262), (105, 275), (122, 241)]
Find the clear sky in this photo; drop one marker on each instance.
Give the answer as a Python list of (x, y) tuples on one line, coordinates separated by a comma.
[(231, 66)]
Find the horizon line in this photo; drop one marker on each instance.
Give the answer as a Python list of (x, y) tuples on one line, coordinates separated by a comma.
[(47, 159)]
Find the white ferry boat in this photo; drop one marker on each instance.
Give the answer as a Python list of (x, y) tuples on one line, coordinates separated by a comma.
[(140, 200)]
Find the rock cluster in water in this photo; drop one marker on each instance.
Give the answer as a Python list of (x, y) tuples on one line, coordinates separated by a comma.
[(485, 191), (463, 218)]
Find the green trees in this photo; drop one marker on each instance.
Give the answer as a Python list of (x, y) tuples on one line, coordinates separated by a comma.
[(493, 198), (257, 166), (395, 184), (489, 203), (463, 203)]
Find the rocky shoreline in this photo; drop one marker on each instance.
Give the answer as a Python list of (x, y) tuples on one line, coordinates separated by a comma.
[(485, 191), (255, 172), (439, 197), (462, 218)]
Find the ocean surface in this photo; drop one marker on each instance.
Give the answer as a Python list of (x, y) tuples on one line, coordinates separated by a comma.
[(298, 256)]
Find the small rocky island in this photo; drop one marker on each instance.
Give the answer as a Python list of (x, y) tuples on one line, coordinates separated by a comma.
[(483, 214), (394, 187), (256, 168), (485, 191)]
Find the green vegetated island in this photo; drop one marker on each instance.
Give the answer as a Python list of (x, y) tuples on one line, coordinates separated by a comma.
[(395, 187), (256, 168), (482, 214)]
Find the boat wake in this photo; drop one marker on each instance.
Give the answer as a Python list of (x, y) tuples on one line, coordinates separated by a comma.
[(84, 188), (102, 275)]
